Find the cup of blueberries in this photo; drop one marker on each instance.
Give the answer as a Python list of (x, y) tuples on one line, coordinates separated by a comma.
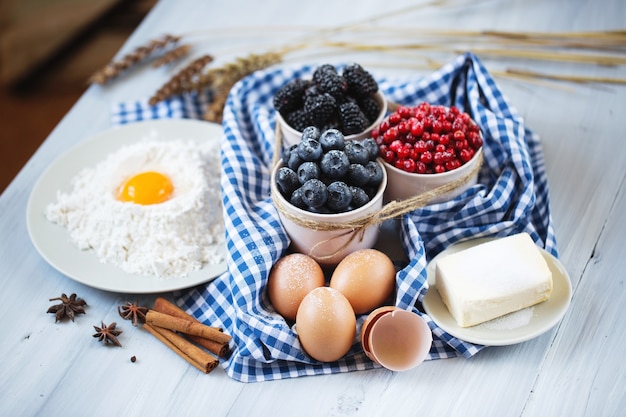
[(325, 180)]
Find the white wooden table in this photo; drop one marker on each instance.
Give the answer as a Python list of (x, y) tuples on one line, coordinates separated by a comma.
[(576, 369)]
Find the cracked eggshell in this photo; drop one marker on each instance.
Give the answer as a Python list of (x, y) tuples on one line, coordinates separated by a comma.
[(396, 339)]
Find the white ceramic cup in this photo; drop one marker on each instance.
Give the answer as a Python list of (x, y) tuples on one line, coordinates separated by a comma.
[(328, 247), (403, 185)]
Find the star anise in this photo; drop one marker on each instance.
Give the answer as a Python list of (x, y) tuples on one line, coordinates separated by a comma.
[(107, 334), (69, 306), (132, 311)]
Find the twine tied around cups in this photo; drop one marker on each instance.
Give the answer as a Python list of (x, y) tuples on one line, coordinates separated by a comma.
[(357, 227)]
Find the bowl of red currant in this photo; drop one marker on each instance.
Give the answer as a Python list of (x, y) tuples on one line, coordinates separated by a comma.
[(428, 146), (324, 184), (347, 100)]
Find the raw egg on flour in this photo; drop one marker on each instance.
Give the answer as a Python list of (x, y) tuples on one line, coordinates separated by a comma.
[(146, 188), (151, 208)]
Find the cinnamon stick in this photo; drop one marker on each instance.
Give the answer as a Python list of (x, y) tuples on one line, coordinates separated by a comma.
[(166, 307), (166, 321), (185, 349)]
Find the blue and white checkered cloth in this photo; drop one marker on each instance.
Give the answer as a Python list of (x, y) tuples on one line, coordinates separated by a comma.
[(511, 197)]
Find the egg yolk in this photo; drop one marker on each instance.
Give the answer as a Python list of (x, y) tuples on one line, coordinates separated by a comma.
[(146, 188)]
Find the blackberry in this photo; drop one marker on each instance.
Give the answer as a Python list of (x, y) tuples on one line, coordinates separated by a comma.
[(298, 119), (352, 118), (311, 90), (289, 97), (370, 108), (360, 82), (327, 80), (321, 108)]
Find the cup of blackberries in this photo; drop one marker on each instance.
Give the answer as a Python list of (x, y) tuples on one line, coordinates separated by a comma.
[(321, 186), (348, 100), (426, 147)]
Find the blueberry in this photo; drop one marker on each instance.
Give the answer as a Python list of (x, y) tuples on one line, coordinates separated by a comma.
[(286, 153), (320, 210), (335, 164), (332, 139), (287, 181), (372, 148), (296, 199), (356, 152), (308, 170), (357, 175), (311, 132), (375, 173), (314, 193), (359, 197), (339, 196), (370, 191), (294, 160), (309, 149)]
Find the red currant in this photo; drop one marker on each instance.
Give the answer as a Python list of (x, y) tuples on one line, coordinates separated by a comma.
[(420, 146), (404, 112), (417, 129), (390, 135), (427, 138), (394, 118), (384, 126), (466, 154), (403, 127), (389, 156), (395, 145), (409, 165), (404, 151)]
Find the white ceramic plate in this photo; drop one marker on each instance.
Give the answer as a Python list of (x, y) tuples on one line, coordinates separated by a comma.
[(53, 242), (513, 328)]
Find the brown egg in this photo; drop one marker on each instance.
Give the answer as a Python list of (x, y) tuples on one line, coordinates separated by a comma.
[(291, 278), (366, 277), (326, 324)]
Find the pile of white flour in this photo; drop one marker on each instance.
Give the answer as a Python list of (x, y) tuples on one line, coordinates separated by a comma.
[(166, 240)]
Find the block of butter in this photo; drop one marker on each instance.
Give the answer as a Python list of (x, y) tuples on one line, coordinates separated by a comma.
[(492, 279)]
